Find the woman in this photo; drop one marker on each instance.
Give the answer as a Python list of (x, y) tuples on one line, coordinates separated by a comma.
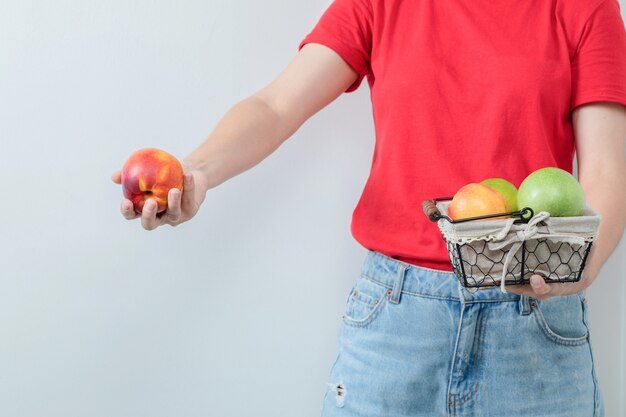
[(461, 91)]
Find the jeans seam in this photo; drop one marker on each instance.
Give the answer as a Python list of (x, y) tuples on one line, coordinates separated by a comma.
[(432, 297), (369, 317), (492, 300), (554, 337), (454, 354), (593, 365), (464, 399), (437, 297)]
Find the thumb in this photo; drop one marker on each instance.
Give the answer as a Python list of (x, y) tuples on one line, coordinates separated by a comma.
[(117, 177), (539, 285), (188, 201)]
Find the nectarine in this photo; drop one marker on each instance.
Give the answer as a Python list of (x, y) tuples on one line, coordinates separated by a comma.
[(151, 173), (473, 200)]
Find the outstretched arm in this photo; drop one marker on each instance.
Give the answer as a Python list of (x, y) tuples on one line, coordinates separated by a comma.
[(251, 130)]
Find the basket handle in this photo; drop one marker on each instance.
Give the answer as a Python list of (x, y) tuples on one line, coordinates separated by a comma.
[(431, 210)]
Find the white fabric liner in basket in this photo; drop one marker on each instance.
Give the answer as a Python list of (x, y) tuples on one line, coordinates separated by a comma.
[(504, 234)]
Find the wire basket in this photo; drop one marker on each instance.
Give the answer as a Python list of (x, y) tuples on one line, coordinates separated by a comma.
[(489, 251)]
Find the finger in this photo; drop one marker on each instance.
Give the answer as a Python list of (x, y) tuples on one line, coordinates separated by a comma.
[(539, 285), (188, 199), (117, 177), (173, 206), (521, 290), (148, 215), (128, 210)]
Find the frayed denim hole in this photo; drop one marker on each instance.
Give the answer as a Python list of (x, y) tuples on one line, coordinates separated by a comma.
[(340, 393)]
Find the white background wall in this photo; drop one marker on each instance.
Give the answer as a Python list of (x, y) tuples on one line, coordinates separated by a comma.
[(234, 314)]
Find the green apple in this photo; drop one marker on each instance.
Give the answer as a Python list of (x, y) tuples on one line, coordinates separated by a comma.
[(506, 189), (553, 190)]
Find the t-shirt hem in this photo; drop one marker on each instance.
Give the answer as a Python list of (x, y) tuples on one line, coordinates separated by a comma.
[(619, 98), (437, 266), (351, 58)]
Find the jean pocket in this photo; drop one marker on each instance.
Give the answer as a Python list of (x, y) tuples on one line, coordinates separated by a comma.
[(562, 319), (365, 302)]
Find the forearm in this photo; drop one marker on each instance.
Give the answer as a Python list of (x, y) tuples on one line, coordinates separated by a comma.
[(258, 125), (606, 194), (248, 133)]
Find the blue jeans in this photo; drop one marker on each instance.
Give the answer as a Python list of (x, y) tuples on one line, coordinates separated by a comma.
[(413, 342)]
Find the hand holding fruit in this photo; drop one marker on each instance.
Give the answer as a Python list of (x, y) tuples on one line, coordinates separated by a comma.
[(157, 189), (546, 190)]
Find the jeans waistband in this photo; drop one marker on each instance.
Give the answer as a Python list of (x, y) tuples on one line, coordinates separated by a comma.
[(409, 278)]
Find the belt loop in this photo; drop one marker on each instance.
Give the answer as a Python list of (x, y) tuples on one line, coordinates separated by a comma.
[(398, 284), (524, 305)]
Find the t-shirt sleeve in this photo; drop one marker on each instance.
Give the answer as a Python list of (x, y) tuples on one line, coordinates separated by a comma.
[(599, 64), (346, 28)]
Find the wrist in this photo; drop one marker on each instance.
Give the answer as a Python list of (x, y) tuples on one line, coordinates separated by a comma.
[(588, 277), (202, 172)]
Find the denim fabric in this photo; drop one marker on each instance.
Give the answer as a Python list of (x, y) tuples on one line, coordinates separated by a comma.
[(413, 342)]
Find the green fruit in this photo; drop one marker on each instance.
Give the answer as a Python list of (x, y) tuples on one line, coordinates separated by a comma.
[(506, 190), (553, 190)]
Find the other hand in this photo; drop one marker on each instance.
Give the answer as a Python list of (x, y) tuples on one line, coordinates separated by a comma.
[(541, 290)]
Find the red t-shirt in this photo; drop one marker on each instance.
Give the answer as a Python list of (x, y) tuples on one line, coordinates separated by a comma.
[(464, 91)]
